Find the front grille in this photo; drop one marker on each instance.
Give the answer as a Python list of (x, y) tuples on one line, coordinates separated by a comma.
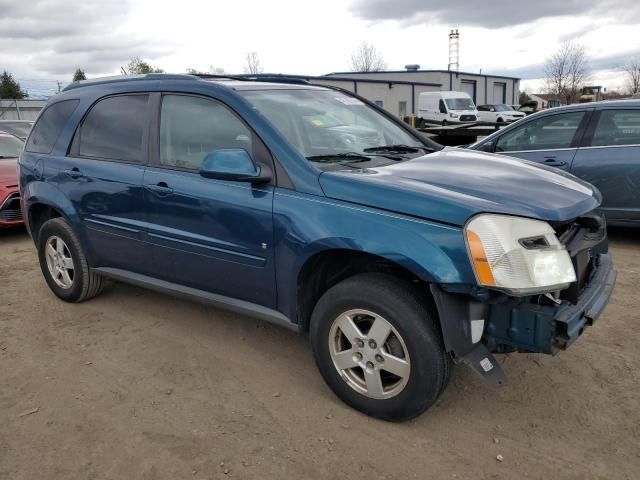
[(10, 215), (10, 209), (467, 118)]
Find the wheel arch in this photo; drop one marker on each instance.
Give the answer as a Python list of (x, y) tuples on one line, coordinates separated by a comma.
[(42, 201), (325, 268)]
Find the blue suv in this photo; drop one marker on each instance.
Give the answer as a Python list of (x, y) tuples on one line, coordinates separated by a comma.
[(310, 207)]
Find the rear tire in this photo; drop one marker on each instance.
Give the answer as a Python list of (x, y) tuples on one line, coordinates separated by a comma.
[(396, 339), (64, 264)]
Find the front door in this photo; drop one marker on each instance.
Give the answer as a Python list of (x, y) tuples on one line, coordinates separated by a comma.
[(213, 235), (550, 140), (610, 160)]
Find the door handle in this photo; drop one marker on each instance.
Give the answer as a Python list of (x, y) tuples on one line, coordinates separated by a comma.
[(73, 172), (552, 162), (160, 188)]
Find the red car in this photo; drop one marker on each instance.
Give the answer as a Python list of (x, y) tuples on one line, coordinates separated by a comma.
[(10, 148)]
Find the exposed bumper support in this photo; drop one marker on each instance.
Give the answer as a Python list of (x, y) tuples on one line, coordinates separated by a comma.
[(459, 313), (524, 327)]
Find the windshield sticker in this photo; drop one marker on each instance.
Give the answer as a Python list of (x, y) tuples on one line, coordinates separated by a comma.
[(349, 100), (317, 123)]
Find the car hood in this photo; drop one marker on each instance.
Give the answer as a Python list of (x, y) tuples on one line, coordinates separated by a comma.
[(453, 184), (8, 171)]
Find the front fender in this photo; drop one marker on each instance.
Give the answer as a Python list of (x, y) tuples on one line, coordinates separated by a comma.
[(305, 225)]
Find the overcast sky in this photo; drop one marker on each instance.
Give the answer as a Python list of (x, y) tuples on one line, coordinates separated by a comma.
[(48, 39)]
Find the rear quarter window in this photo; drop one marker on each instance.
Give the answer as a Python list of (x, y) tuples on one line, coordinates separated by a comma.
[(47, 129)]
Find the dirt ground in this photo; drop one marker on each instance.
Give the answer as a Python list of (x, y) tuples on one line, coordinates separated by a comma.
[(137, 385)]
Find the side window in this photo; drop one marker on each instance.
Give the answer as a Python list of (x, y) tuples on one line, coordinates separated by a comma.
[(550, 132), (47, 129), (442, 106), (114, 129), (192, 127), (617, 127)]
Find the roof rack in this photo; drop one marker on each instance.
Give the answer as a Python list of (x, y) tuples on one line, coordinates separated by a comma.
[(220, 76), (128, 78), (274, 78)]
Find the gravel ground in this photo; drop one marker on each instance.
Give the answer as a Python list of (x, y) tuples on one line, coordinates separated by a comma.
[(134, 384)]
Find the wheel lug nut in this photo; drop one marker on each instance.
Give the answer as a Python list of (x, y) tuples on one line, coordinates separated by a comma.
[(369, 364), (379, 358), (359, 343), (358, 356), (372, 344)]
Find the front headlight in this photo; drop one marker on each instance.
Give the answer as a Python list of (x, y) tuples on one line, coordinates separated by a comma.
[(518, 255), (454, 115)]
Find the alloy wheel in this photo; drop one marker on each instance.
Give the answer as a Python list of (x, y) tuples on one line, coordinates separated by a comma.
[(369, 354), (59, 262)]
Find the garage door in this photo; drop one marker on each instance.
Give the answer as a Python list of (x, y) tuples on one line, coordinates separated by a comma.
[(469, 86), (499, 93)]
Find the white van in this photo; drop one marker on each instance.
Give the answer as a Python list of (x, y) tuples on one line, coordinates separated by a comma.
[(446, 107)]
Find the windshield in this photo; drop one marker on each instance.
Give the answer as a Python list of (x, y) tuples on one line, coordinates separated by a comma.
[(459, 104), (501, 107), (10, 146), (321, 123)]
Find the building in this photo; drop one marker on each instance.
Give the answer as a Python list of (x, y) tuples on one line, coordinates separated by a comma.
[(20, 109), (398, 91), (546, 100)]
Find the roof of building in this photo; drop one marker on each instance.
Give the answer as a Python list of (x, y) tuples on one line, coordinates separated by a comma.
[(382, 72)]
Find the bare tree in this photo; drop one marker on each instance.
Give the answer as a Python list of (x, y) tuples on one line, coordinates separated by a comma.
[(253, 63), (566, 71), (212, 70), (633, 76), (366, 58)]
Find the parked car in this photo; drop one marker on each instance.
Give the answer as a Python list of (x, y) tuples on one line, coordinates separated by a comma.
[(598, 142), (446, 108), (19, 128), (395, 259), (10, 148), (528, 108), (499, 113)]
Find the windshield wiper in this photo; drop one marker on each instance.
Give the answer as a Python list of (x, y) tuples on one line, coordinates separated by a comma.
[(351, 156), (396, 148)]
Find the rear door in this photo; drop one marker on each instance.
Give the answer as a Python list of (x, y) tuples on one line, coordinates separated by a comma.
[(610, 159), (102, 177), (551, 140), (213, 235)]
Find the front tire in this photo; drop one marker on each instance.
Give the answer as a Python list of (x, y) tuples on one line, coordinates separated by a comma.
[(378, 346), (64, 264)]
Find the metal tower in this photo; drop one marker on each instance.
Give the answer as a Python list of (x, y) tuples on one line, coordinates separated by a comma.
[(454, 50)]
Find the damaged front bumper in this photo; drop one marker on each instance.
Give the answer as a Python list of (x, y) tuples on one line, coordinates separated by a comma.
[(520, 326)]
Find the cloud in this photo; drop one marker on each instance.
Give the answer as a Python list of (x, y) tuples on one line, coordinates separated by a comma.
[(490, 13), (614, 62), (54, 37)]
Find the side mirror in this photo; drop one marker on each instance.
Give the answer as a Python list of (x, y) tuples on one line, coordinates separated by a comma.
[(233, 164), (487, 147)]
